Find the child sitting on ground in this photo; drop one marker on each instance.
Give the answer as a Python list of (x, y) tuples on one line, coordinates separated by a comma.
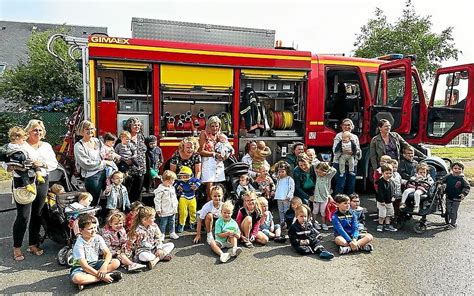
[(348, 153), (186, 187), (290, 214), (86, 267), (223, 148), (358, 211), (146, 238), (117, 196), (127, 152), (17, 157), (346, 229), (419, 184), (154, 160), (227, 234), (457, 188), (131, 215), (248, 219), (304, 238), (166, 203), (244, 185), (115, 237), (209, 213), (107, 152), (322, 192), (267, 226), (385, 198), (285, 188)]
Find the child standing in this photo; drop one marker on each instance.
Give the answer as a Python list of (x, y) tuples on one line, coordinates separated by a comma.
[(457, 188), (115, 237), (227, 234), (346, 229), (131, 215), (267, 226), (248, 219), (127, 152), (358, 211), (186, 187), (397, 186), (244, 185), (385, 198), (86, 267), (384, 159), (117, 197), (285, 188), (154, 160), (322, 192), (147, 239), (166, 203), (304, 238), (348, 152), (419, 184), (209, 213), (108, 153), (265, 183)]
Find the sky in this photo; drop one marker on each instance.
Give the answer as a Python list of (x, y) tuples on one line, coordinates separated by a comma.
[(319, 26)]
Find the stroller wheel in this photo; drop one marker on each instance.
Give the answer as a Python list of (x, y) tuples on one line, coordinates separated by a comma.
[(70, 259), (400, 222), (419, 227), (62, 256)]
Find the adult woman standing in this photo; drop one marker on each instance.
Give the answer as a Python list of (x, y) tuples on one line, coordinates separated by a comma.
[(346, 183), (136, 174), (385, 143), (208, 138), (88, 160), (43, 157), (305, 179), (187, 155), (296, 150)]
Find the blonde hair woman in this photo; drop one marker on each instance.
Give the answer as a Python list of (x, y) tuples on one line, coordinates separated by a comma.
[(187, 156)]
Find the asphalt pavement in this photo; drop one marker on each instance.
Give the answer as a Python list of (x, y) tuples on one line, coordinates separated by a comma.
[(436, 262)]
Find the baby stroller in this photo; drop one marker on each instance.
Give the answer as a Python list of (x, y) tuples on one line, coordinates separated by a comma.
[(432, 202), (233, 171)]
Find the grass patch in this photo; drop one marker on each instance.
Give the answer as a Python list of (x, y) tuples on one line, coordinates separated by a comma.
[(469, 173), (4, 175), (454, 153)]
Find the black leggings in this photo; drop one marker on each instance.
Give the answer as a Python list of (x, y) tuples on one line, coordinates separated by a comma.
[(134, 184), (32, 212)]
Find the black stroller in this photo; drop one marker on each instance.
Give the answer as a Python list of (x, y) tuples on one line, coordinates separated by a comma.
[(55, 219), (432, 202), (233, 171)]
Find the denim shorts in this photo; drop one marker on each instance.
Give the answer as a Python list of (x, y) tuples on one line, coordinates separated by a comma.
[(78, 269)]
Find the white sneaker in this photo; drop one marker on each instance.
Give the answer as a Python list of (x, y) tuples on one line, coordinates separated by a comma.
[(236, 251), (325, 227), (210, 238), (173, 235), (317, 226), (135, 266), (344, 250), (224, 257)]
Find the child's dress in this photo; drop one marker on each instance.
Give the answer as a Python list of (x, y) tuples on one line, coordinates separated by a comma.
[(148, 241), (116, 241)]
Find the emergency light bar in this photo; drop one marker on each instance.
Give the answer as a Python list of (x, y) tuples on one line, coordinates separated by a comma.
[(396, 56)]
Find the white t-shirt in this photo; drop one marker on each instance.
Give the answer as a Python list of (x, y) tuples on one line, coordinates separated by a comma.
[(207, 208), (45, 154), (88, 250)]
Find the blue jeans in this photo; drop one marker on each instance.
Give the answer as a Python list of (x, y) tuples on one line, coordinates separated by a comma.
[(346, 183), (94, 185), (165, 221)]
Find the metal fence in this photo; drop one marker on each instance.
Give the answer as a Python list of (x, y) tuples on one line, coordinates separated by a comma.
[(54, 122)]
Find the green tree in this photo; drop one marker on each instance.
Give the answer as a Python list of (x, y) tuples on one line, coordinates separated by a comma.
[(42, 78), (410, 34)]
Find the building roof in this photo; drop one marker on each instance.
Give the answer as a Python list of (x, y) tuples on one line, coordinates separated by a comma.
[(14, 37)]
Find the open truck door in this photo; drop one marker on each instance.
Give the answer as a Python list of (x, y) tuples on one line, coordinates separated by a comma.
[(451, 108), (392, 98)]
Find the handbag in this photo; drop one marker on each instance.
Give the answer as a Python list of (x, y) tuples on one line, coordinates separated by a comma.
[(23, 196)]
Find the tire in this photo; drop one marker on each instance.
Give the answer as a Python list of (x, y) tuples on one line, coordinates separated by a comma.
[(69, 257), (62, 256), (419, 227)]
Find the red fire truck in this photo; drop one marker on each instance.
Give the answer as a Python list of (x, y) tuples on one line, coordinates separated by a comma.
[(174, 86)]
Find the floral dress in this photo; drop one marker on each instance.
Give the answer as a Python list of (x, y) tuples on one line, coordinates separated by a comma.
[(190, 162), (211, 172), (140, 147)]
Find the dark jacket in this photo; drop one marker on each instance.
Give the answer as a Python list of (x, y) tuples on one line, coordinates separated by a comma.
[(300, 178), (377, 148), (298, 232), (455, 186), (385, 191), (406, 168), (353, 148)]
